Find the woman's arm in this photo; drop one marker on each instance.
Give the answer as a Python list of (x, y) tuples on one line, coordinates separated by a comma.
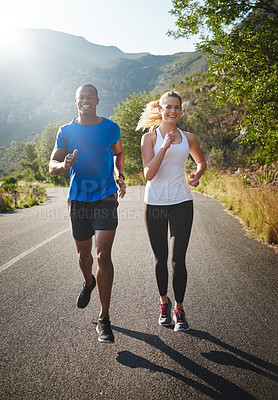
[(151, 162), (196, 153)]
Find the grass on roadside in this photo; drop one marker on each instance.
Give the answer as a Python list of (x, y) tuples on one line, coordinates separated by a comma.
[(256, 206), (26, 197), (136, 179)]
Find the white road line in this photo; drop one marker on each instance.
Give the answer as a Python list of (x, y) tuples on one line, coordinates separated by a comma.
[(25, 253)]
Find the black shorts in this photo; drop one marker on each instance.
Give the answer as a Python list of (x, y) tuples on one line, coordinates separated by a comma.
[(88, 217)]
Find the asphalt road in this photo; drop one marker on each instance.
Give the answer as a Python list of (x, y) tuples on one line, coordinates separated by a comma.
[(49, 348)]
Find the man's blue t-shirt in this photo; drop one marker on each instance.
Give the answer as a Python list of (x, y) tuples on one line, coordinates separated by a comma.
[(92, 176)]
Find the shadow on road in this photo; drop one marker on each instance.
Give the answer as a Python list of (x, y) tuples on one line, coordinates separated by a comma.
[(249, 357), (224, 389), (133, 361)]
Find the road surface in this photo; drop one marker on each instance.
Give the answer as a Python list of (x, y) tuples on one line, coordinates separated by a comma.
[(49, 348)]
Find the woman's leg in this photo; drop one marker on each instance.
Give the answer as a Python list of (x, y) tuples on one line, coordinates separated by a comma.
[(180, 220), (157, 226)]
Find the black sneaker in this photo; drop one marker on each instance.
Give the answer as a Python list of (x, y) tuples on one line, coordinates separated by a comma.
[(165, 313), (104, 331), (85, 294)]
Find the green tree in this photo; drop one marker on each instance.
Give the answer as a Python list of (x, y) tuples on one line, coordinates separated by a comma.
[(29, 157), (213, 126), (10, 158), (241, 38), (215, 16), (127, 116)]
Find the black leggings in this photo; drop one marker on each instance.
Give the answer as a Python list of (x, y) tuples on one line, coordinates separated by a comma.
[(180, 217)]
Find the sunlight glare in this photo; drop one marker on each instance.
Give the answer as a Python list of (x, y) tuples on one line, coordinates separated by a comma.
[(10, 42)]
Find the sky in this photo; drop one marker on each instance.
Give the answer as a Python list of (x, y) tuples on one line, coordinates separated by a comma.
[(131, 25)]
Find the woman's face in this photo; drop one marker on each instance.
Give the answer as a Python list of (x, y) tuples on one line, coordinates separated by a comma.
[(170, 109)]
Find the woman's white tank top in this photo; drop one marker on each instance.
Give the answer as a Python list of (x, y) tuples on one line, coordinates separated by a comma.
[(169, 186)]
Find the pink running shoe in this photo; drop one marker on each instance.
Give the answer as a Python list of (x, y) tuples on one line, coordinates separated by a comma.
[(165, 313), (180, 321)]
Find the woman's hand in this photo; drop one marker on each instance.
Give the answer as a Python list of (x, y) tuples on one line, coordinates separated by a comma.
[(168, 140), (194, 180)]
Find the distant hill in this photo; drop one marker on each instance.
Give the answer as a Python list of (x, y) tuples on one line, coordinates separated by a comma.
[(38, 83)]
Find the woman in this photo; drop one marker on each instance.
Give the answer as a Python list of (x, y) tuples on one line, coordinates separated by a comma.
[(168, 198)]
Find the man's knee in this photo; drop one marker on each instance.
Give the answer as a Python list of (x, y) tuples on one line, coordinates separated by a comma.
[(84, 257), (104, 258)]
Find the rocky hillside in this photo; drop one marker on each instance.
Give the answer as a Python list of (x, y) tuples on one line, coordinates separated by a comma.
[(38, 83)]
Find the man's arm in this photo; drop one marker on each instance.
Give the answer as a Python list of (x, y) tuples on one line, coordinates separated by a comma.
[(60, 161), (119, 164), (119, 156)]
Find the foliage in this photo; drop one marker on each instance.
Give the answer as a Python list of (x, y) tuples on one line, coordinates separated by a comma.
[(195, 17), (30, 162), (136, 179), (127, 116), (27, 196), (10, 158), (9, 184), (243, 50), (6, 201), (30, 159), (213, 126)]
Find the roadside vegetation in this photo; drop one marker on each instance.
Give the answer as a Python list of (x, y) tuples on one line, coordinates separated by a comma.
[(16, 195), (254, 203)]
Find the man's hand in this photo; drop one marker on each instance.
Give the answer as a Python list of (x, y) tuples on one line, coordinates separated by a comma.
[(70, 159), (122, 187)]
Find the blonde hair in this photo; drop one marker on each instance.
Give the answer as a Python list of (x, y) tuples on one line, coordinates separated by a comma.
[(151, 117)]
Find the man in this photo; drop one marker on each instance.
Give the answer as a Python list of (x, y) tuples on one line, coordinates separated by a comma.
[(87, 146)]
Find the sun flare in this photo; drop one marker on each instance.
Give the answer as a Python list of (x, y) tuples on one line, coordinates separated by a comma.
[(9, 40)]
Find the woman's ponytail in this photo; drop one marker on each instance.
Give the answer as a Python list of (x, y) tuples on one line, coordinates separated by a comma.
[(150, 117)]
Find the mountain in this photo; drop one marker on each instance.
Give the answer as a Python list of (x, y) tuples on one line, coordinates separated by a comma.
[(38, 80)]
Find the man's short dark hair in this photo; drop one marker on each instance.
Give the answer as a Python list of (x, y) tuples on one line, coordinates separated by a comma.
[(89, 85)]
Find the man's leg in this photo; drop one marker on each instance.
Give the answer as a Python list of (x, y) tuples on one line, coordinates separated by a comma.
[(105, 271), (85, 259)]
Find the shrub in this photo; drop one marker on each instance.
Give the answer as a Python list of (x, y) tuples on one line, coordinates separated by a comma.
[(9, 184)]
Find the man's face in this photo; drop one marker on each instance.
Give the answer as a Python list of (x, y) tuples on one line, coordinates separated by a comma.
[(86, 100)]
